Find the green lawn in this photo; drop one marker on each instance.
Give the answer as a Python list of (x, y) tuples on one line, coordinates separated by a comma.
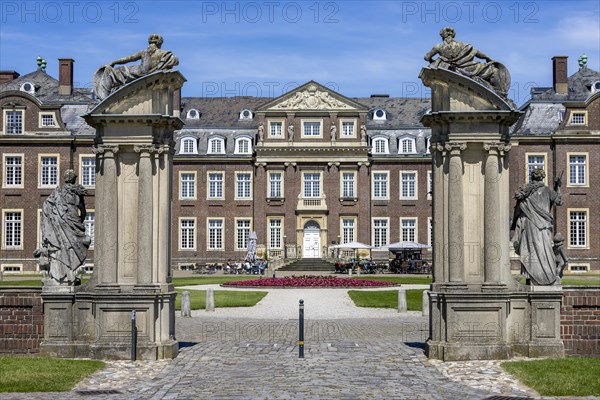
[(211, 279), (407, 280), (558, 377), (387, 298), (223, 298), (43, 374)]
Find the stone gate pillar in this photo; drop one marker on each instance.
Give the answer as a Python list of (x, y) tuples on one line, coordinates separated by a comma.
[(478, 310), (134, 149)]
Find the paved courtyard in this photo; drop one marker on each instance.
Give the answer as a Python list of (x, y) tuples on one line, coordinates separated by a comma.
[(225, 356)]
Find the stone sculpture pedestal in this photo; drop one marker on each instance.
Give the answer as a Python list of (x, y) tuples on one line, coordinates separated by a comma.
[(477, 309), (134, 157)]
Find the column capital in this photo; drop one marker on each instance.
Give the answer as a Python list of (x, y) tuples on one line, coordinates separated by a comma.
[(102, 149), (145, 148), (454, 148), (498, 147)]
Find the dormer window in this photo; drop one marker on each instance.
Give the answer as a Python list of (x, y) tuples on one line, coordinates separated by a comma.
[(189, 145), (578, 118), (28, 87), (380, 146), (407, 145), (193, 114), (47, 120), (216, 145), (246, 114), (379, 115), (243, 145), (596, 87)]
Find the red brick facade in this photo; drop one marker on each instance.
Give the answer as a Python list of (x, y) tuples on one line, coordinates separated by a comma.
[(580, 321), (21, 320)]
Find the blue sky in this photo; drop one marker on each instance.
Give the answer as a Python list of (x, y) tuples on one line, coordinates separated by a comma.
[(268, 47)]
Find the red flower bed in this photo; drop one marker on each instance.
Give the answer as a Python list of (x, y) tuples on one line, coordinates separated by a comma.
[(309, 281)]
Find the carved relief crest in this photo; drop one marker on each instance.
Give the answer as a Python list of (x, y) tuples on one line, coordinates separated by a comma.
[(312, 99)]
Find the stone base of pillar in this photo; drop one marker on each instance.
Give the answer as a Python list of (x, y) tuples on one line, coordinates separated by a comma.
[(98, 325), (500, 324)]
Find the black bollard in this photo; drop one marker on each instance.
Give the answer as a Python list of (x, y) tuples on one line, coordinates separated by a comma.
[(301, 331), (133, 337)]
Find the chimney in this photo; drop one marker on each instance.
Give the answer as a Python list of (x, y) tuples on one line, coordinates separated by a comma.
[(7, 76), (65, 76), (559, 75)]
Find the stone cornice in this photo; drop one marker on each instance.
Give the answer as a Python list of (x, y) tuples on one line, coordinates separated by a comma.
[(501, 117), (99, 120)]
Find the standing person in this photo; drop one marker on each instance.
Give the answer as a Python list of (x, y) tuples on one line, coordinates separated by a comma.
[(533, 226)]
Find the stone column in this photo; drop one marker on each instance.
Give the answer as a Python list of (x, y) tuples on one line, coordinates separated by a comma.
[(492, 252), (106, 227), (455, 212), (164, 168), (145, 214)]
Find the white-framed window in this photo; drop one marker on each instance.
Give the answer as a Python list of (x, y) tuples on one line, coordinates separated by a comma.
[(348, 189), (578, 228), (47, 119), (312, 128), (246, 114), (579, 267), (275, 233), (187, 185), (347, 128), (243, 185), (187, 233), (535, 161), (577, 169), (12, 268), (189, 145), (408, 185), (380, 185), (312, 184), (379, 115), (193, 114), (428, 145), (430, 232), (380, 146), (348, 228), (407, 145), (215, 234), (408, 229), (13, 122), (578, 118), (216, 145), (89, 222), (275, 189), (429, 185), (215, 185), (88, 170), (48, 170), (12, 229), (380, 232), (243, 145), (242, 232), (276, 128), (13, 170)]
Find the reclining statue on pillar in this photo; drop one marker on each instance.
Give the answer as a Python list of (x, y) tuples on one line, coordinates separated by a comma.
[(64, 240), (460, 57), (110, 78)]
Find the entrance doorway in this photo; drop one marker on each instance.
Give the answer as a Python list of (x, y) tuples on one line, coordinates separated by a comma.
[(312, 240)]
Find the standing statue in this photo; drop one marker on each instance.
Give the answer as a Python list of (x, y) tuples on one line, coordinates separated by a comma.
[(533, 225), (363, 133), (64, 241), (290, 133), (460, 57), (333, 131), (261, 133), (109, 78)]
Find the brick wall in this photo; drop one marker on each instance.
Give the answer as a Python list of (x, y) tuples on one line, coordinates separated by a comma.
[(21, 319), (580, 321)]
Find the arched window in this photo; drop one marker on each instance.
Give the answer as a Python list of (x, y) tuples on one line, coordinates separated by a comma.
[(193, 114), (243, 145), (407, 145), (216, 145), (380, 146), (379, 115), (246, 114), (189, 145)]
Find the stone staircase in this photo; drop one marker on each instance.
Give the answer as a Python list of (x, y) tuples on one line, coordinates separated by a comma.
[(309, 265)]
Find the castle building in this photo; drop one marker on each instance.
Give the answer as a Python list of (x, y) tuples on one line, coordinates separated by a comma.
[(306, 171)]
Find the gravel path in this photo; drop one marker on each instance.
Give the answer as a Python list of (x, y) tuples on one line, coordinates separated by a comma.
[(282, 304)]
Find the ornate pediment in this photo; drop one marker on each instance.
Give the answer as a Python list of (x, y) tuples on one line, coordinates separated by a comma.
[(312, 96)]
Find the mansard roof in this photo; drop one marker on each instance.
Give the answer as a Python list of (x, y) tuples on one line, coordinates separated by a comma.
[(401, 113), (46, 89), (579, 85), (221, 112)]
